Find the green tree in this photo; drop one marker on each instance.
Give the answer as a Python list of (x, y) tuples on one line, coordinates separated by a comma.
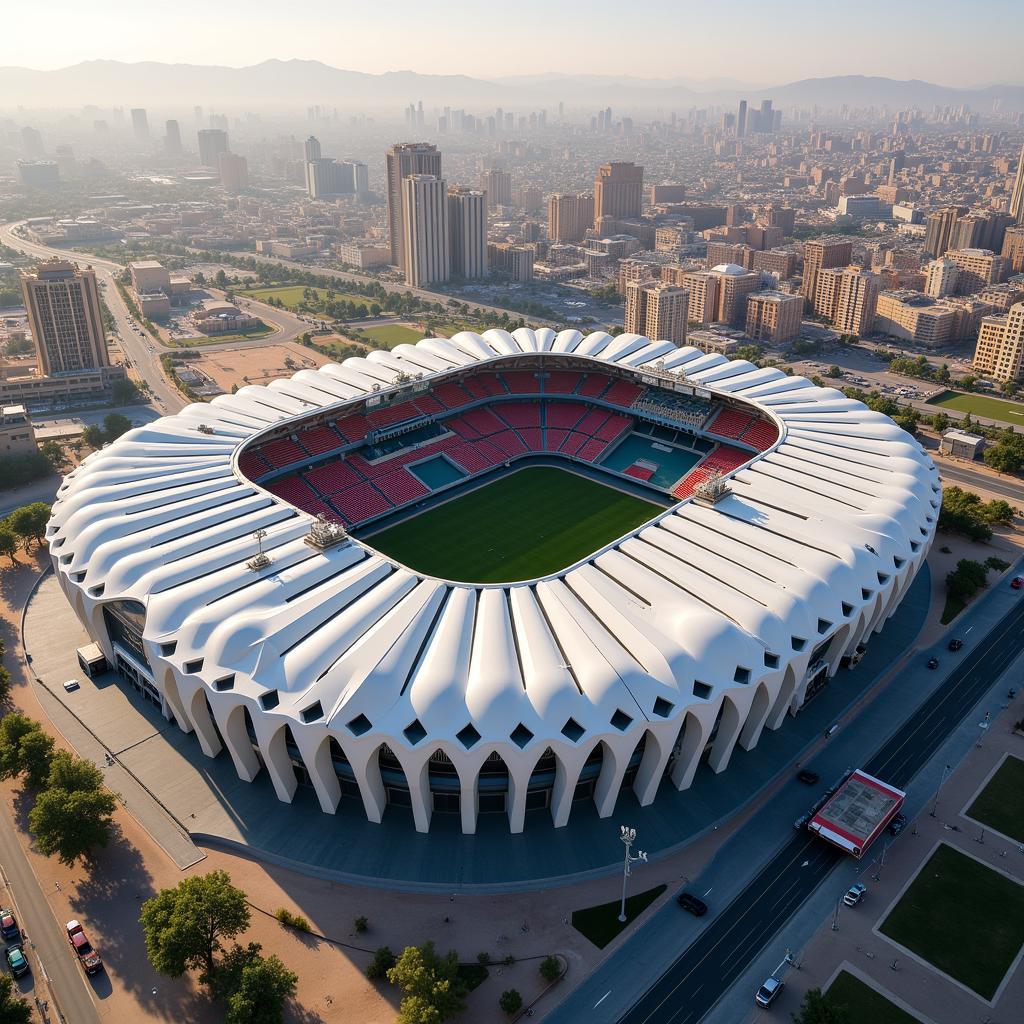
[(966, 579), (36, 752), (964, 512), (54, 453), (819, 1009), (834, 372), (124, 392), (13, 1009), (29, 521), (93, 436), (184, 927), (383, 961), (252, 988), (432, 989), (71, 825), (115, 424), (550, 968), (14, 727), (8, 541), (510, 1001), (998, 512), (73, 774)]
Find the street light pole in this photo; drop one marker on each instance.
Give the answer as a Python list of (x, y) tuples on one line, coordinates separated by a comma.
[(628, 837), (945, 770)]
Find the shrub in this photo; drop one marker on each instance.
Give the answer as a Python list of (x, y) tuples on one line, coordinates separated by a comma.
[(550, 968), (510, 1001), (296, 921), (382, 962), (361, 924), (483, 958), (997, 563)]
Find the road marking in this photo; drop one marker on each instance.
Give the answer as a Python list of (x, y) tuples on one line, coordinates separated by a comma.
[(602, 999), (709, 890)]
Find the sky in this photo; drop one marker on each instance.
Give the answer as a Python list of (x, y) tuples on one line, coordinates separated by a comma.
[(751, 41)]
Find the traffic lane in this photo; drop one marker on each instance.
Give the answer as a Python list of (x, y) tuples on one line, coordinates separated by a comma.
[(47, 944), (979, 478)]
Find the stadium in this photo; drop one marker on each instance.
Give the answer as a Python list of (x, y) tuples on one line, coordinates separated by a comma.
[(498, 573)]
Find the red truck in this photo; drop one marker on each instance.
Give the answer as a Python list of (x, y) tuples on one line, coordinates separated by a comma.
[(82, 948)]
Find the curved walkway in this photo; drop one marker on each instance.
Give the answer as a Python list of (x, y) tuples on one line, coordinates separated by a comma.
[(219, 809)]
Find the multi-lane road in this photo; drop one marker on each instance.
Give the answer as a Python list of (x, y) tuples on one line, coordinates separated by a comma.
[(735, 936)]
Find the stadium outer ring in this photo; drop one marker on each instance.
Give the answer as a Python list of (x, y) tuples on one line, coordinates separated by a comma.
[(705, 621)]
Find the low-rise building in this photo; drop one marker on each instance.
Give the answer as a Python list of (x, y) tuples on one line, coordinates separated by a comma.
[(961, 445), (17, 436)]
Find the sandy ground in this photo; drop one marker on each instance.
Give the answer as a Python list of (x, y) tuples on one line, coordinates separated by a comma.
[(257, 365)]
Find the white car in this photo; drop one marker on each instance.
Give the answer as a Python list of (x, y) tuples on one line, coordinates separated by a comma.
[(769, 992), (71, 685), (855, 894)]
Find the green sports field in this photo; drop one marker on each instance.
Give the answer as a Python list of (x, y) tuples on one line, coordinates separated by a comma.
[(390, 335), (980, 405), (292, 294), (529, 524)]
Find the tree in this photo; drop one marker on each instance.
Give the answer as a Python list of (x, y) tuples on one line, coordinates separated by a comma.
[(36, 752), (115, 424), (8, 541), (966, 579), (431, 984), (184, 926), (253, 988), (999, 512), (13, 1009), (124, 392), (383, 961), (819, 1009), (834, 372), (73, 774), (54, 453), (71, 825), (550, 968), (14, 727), (510, 1001), (93, 436), (29, 521), (964, 512)]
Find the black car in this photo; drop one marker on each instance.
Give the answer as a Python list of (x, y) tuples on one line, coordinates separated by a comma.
[(693, 904), (898, 824), (955, 644), (808, 777), (933, 662)]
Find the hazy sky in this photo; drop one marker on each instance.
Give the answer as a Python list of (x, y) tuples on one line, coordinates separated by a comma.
[(755, 41)]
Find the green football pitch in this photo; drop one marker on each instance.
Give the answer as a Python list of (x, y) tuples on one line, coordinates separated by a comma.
[(531, 523)]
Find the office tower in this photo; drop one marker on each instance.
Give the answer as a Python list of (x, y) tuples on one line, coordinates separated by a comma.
[(356, 175), (657, 310), (773, 316), (703, 288), (65, 317), (766, 118), (570, 214), (172, 138), (741, 120), (618, 191), (856, 301), (821, 254), (826, 291), (467, 232), (498, 186), (1000, 349), (1013, 250), (939, 226), (941, 278), (780, 217), (1017, 196), (212, 142), (425, 248), (734, 285), (667, 192), (140, 124), (404, 159), (978, 268), (234, 172), (512, 261), (311, 149)]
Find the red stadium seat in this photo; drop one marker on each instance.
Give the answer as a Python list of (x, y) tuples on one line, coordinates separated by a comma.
[(360, 503), (729, 423)]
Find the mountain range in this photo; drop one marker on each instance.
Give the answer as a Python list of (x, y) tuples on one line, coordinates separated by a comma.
[(292, 84)]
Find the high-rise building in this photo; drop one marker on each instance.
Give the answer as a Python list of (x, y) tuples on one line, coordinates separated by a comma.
[(941, 278), (857, 301), (618, 191), (65, 317), (667, 192), (703, 288), (212, 143), (822, 254), (774, 316), (172, 138), (741, 120), (359, 174), (498, 186), (513, 261), (826, 291), (140, 124), (426, 248), (467, 232), (766, 118), (1017, 196), (1013, 250), (570, 214), (657, 310), (405, 159), (1000, 349), (234, 172), (939, 225), (978, 268), (311, 149), (734, 285)]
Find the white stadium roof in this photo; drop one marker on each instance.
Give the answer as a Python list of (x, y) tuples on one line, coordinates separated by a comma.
[(707, 616)]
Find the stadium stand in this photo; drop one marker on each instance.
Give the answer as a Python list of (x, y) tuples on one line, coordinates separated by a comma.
[(521, 382), (352, 427), (554, 438), (593, 385), (561, 382), (638, 471), (360, 503), (520, 414), (730, 423), (332, 477), (318, 440), (451, 395), (761, 434), (623, 393), (564, 415), (400, 486), (484, 385)]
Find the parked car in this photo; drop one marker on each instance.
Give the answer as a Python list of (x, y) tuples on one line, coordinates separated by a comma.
[(955, 644), (16, 960), (898, 824), (855, 894), (769, 992), (70, 685), (82, 948), (693, 904), (933, 662), (1017, 582), (9, 925), (806, 776)]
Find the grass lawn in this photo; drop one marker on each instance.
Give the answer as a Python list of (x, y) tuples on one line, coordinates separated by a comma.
[(952, 608), (601, 924), (220, 339), (390, 335), (963, 917), (981, 405), (1000, 805), (528, 524), (865, 1005), (292, 294)]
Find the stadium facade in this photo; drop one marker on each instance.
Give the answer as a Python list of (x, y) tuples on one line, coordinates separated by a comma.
[(307, 654)]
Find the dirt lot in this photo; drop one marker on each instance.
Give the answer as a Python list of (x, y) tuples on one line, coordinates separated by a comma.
[(258, 365)]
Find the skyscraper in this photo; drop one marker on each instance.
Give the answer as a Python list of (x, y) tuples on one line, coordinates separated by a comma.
[(498, 186), (741, 120), (172, 138), (467, 232), (234, 172), (65, 317), (312, 149), (1000, 350), (1017, 196), (1013, 250), (939, 226), (657, 310), (425, 248), (404, 159), (618, 191), (212, 143), (140, 124), (857, 301), (820, 254), (569, 216)]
